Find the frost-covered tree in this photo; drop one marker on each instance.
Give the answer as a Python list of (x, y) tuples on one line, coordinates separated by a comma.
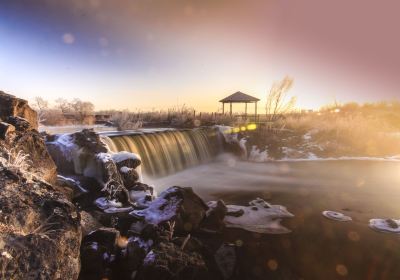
[(278, 102)]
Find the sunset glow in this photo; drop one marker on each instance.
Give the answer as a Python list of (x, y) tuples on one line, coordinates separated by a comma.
[(113, 53)]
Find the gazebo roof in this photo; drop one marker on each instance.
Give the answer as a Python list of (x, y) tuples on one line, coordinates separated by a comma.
[(239, 97)]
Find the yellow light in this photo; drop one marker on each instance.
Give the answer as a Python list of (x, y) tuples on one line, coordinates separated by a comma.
[(243, 128), (251, 126), (236, 130)]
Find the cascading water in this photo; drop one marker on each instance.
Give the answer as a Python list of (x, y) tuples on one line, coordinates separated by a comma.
[(167, 151)]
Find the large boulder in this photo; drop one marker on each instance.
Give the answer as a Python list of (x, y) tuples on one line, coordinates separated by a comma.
[(215, 215), (19, 137), (16, 107)]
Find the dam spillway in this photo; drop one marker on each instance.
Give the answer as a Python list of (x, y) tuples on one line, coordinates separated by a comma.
[(166, 151)]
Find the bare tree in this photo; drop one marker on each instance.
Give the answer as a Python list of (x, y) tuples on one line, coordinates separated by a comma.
[(63, 105), (126, 120), (278, 103), (41, 105), (81, 109)]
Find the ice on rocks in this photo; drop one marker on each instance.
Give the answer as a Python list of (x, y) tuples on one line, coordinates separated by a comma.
[(104, 203), (72, 182), (125, 169), (114, 210), (385, 225), (161, 209), (336, 216), (260, 217), (122, 156)]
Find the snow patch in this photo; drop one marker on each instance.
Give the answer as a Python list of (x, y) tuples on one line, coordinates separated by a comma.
[(257, 156), (125, 169), (122, 156)]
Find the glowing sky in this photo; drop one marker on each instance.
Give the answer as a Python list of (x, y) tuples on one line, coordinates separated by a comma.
[(157, 54)]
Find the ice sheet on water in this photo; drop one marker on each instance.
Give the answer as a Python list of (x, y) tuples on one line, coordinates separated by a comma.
[(385, 225), (336, 216), (260, 217)]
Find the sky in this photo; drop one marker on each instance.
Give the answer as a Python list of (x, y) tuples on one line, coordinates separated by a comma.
[(158, 54)]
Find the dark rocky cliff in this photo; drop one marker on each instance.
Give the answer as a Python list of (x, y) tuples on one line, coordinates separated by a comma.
[(39, 228)]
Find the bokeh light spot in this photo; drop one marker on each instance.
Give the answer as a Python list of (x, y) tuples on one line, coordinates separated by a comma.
[(103, 41), (68, 38), (272, 264), (239, 243), (341, 270), (353, 236)]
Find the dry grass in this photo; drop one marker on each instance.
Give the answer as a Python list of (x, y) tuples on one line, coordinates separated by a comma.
[(14, 159), (346, 134)]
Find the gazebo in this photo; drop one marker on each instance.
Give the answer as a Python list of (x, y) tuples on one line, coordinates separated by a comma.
[(239, 97)]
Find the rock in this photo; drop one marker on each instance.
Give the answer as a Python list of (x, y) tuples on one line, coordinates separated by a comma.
[(32, 144), (177, 204), (215, 216), (16, 107), (95, 261), (39, 230), (19, 123), (127, 159), (5, 130), (120, 220), (129, 176), (225, 257), (89, 140), (98, 253), (192, 244), (235, 212), (141, 194), (168, 261), (88, 223), (106, 237), (107, 169), (135, 252), (142, 187)]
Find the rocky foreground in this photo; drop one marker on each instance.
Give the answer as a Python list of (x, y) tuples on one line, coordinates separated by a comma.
[(97, 220)]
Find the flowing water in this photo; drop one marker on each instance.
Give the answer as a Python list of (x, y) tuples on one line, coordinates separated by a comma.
[(317, 248), (168, 151)]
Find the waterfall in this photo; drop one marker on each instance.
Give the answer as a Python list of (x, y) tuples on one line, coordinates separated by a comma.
[(167, 151)]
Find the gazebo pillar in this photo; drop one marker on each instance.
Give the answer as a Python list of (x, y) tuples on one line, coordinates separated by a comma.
[(223, 108), (230, 108), (255, 111), (245, 110)]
